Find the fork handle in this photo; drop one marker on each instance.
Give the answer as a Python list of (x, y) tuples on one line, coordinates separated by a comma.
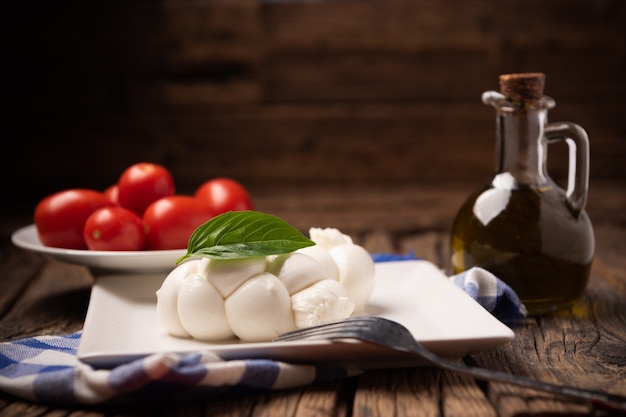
[(597, 398)]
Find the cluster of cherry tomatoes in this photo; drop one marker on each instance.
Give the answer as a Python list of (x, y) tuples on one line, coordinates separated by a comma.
[(140, 212)]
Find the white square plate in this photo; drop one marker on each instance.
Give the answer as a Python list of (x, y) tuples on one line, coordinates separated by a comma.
[(121, 323)]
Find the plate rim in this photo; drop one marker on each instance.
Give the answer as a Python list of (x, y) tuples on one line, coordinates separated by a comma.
[(27, 238)]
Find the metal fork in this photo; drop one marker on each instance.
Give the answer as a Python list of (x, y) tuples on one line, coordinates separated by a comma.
[(392, 335)]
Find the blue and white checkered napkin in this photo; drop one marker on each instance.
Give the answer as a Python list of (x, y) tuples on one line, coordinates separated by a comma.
[(491, 293), (46, 369)]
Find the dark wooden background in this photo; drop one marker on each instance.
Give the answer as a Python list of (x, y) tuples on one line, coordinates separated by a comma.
[(287, 95)]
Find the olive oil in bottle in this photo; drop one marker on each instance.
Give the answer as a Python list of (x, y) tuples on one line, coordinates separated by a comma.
[(522, 226)]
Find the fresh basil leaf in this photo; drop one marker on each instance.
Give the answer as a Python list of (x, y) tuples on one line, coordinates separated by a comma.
[(244, 234)]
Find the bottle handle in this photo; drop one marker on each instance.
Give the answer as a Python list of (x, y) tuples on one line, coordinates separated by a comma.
[(578, 174)]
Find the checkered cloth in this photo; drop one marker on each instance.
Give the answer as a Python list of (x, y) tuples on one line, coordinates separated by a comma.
[(491, 293), (46, 369)]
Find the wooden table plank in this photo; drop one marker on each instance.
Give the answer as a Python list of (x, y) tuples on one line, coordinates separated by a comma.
[(419, 392), (406, 393), (54, 301)]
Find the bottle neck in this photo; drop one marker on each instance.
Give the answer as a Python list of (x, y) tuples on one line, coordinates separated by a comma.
[(520, 149)]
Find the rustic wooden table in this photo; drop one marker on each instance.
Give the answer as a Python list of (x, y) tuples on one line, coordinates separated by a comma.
[(585, 346)]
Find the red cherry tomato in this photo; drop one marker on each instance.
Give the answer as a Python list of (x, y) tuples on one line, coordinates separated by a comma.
[(142, 184), (171, 220), (112, 193), (224, 194), (60, 217), (114, 229)]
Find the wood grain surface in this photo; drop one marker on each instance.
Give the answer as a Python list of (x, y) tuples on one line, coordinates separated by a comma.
[(583, 346)]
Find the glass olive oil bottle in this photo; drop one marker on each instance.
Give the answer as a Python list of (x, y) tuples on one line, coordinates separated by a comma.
[(521, 226)]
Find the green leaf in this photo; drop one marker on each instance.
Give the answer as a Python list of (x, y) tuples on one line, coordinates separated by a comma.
[(244, 234)]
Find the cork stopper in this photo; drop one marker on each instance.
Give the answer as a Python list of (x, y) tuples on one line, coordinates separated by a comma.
[(523, 86)]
